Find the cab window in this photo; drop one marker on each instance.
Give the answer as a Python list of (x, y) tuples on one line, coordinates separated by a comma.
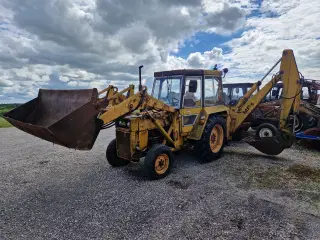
[(210, 91), (305, 93), (192, 95), (237, 93), (167, 89)]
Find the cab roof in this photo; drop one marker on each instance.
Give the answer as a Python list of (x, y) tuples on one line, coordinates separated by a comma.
[(188, 72), (238, 84)]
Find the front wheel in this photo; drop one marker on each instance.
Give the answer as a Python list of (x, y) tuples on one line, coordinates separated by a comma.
[(158, 161), (112, 157), (211, 144)]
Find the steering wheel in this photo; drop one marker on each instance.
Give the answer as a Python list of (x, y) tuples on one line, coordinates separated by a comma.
[(175, 101)]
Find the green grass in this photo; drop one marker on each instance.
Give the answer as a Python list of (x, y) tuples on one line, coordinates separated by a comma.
[(3, 109), (4, 123)]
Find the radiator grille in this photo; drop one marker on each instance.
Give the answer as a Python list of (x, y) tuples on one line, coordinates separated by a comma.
[(123, 144)]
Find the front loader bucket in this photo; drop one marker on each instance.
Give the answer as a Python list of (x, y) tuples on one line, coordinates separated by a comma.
[(64, 117)]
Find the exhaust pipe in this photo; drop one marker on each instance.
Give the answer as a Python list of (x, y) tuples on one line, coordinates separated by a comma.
[(140, 85)]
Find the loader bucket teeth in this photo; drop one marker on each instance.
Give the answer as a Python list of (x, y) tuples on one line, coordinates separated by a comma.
[(64, 117), (267, 145)]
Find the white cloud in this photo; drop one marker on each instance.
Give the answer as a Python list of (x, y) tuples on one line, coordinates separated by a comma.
[(279, 6), (61, 42), (205, 60), (5, 83), (93, 43), (261, 45)]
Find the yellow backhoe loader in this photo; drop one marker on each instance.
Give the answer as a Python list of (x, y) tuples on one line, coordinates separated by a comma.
[(184, 109)]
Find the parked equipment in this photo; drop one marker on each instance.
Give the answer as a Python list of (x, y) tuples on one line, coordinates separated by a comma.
[(306, 122), (309, 113), (310, 138), (185, 109)]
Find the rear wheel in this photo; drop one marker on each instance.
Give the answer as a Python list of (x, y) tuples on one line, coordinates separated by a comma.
[(158, 161), (298, 124), (266, 130), (211, 144), (112, 156)]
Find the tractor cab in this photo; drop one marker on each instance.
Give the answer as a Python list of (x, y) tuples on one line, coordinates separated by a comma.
[(188, 88), (232, 92)]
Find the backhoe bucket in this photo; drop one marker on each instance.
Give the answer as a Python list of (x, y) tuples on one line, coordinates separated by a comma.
[(267, 145), (270, 145), (64, 117)]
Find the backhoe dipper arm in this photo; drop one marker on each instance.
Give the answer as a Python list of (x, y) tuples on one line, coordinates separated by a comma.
[(292, 86)]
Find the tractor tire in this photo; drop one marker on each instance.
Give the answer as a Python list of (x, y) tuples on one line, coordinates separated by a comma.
[(112, 157), (239, 134), (266, 130), (308, 122), (210, 146), (299, 124), (158, 162)]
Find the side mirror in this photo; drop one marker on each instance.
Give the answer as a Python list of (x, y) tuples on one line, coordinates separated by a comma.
[(193, 85), (274, 93), (225, 70)]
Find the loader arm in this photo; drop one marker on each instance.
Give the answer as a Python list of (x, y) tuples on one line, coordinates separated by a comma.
[(114, 97), (292, 86), (140, 100)]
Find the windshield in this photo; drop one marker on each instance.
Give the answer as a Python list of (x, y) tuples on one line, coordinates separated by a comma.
[(167, 89)]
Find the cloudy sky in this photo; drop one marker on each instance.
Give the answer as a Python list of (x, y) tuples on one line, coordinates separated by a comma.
[(93, 43)]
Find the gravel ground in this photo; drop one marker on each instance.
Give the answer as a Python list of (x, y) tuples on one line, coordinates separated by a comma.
[(49, 192)]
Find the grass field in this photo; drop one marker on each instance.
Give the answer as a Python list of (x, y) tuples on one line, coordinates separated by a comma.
[(5, 108)]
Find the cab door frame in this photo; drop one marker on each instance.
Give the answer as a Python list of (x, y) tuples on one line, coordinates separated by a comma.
[(193, 112)]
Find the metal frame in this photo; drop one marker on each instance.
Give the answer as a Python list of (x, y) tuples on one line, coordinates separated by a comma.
[(184, 125)]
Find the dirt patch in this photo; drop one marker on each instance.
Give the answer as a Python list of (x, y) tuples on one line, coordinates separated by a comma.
[(179, 184), (303, 172), (238, 222), (271, 178), (279, 177), (43, 162)]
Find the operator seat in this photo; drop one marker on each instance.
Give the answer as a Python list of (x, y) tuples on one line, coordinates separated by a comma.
[(188, 102)]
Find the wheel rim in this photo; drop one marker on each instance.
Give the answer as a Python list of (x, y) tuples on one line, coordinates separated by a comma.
[(265, 132), (161, 163), (298, 125), (312, 122), (216, 138)]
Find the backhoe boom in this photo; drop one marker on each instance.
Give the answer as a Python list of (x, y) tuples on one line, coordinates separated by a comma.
[(292, 85)]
